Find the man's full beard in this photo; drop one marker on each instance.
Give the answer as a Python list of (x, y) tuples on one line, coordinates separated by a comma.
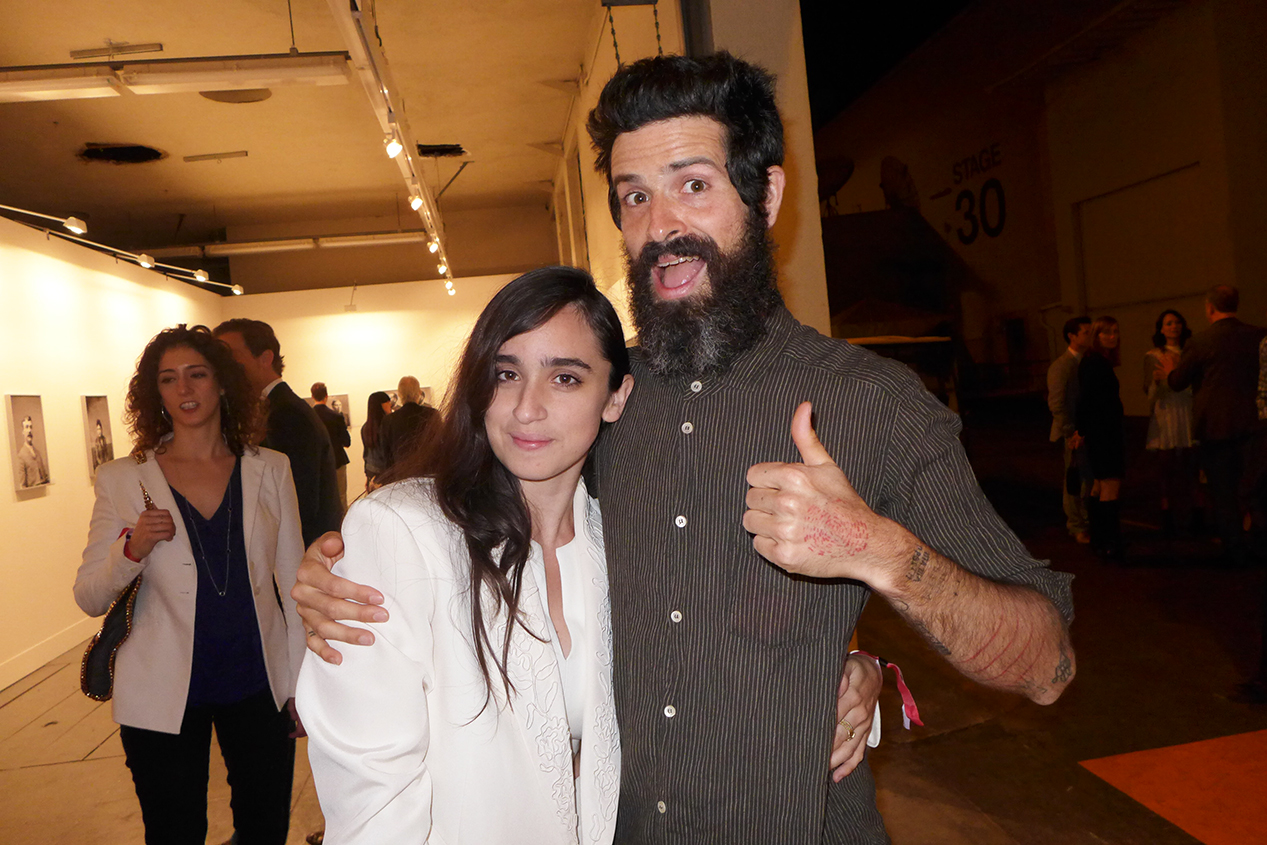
[(704, 333)]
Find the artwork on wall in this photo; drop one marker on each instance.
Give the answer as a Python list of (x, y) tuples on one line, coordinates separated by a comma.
[(30, 450), (97, 433), (337, 403)]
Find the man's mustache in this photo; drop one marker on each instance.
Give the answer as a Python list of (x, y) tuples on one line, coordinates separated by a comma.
[(683, 246)]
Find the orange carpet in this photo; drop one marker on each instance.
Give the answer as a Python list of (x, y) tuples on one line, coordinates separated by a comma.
[(1214, 789)]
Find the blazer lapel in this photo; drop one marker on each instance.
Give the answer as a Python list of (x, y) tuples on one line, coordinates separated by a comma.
[(537, 704), (598, 786), (151, 476), (252, 481)]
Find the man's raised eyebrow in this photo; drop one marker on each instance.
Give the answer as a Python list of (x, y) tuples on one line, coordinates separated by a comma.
[(693, 160), (674, 166)]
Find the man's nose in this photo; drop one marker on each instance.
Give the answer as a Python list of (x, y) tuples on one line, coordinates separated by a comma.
[(666, 221)]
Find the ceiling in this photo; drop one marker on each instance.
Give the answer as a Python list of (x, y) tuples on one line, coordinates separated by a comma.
[(485, 74)]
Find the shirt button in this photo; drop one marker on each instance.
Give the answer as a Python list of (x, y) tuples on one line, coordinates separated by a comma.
[(660, 805), (687, 427), (670, 711), (696, 386), (676, 616), (679, 521)]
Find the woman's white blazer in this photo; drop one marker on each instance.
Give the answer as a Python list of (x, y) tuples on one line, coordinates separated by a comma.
[(403, 749), (152, 669)]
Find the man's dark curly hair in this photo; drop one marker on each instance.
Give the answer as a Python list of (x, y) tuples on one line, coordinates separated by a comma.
[(241, 411), (738, 95)]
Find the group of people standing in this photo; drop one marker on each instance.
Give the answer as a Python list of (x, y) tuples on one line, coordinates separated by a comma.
[(1207, 400), (706, 610)]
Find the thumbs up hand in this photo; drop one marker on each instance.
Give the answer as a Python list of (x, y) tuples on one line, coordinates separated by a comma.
[(807, 519)]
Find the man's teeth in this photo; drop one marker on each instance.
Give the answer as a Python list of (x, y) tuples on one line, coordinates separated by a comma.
[(677, 261)]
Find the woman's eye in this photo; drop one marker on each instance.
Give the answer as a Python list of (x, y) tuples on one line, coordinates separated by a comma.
[(506, 375), (695, 186), (567, 378)]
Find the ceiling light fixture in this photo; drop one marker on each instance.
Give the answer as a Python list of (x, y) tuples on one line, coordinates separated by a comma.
[(114, 48), (433, 247), (171, 76), (392, 144), (452, 292), (74, 224), (201, 275), (443, 268), (237, 290), (415, 202), (146, 261)]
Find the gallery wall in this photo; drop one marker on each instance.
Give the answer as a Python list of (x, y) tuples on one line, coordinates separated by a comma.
[(411, 328), (73, 323)]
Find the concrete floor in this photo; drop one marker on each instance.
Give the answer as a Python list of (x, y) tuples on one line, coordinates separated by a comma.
[(1160, 641)]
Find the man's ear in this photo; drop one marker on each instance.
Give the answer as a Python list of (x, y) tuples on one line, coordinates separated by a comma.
[(776, 180), (266, 358)]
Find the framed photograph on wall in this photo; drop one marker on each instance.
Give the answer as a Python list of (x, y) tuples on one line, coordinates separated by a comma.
[(97, 435), (340, 403), (30, 449)]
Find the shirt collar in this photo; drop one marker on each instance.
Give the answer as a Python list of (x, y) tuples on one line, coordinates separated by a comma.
[(1077, 356), (269, 387)]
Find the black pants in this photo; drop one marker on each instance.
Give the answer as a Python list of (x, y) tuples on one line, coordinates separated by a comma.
[(1223, 461), (170, 772)]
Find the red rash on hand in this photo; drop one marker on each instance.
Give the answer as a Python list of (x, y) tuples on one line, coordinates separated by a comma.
[(829, 532)]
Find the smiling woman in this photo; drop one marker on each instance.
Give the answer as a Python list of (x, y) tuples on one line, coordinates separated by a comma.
[(485, 713)]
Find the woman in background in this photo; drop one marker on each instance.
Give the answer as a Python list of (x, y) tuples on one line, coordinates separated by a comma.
[(1099, 418), (211, 644), (380, 405), (1170, 419)]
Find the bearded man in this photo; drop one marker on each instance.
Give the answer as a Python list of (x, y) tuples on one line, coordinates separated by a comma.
[(726, 667)]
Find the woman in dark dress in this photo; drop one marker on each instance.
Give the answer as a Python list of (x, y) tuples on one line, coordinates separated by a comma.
[(380, 405), (1099, 418)]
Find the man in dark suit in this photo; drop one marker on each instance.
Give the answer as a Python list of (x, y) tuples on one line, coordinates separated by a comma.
[(1221, 364), (402, 428), (293, 427), (337, 427)]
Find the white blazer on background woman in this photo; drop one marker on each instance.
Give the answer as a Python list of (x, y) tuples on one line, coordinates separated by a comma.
[(403, 749), (152, 669)]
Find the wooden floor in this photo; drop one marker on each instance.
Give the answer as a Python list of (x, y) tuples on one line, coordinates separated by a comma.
[(63, 780)]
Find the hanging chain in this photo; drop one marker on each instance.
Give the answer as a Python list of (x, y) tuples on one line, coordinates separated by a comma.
[(655, 13), (615, 46)]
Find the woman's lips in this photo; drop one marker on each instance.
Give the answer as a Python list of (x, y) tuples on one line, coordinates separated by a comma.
[(530, 442)]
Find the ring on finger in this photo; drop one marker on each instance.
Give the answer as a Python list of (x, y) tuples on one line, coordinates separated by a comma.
[(847, 725)]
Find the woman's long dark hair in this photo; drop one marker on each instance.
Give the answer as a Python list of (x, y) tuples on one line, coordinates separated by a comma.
[(1159, 339), (241, 410), (374, 416), (479, 495)]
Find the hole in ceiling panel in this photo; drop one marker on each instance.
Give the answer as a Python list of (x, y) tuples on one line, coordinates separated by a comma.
[(246, 95), (440, 150), (120, 153)]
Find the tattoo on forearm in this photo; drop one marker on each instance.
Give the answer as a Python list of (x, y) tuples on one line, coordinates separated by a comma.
[(919, 562), (1064, 669), (937, 644), (830, 533)]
